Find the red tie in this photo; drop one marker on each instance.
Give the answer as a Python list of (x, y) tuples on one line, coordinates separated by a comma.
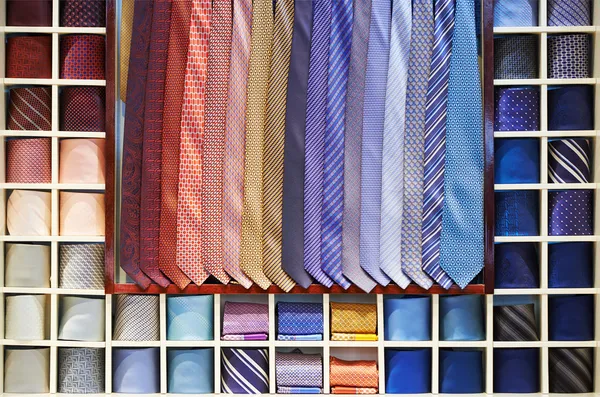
[(29, 57), (29, 160), (30, 109), (82, 109), (28, 12), (82, 57)]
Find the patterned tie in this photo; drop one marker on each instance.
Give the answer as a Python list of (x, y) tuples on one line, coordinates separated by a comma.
[(414, 140), (517, 265), (235, 135), (83, 13), (213, 150), (251, 259), (29, 109), (515, 323), (127, 11), (353, 377), (82, 109), (190, 317), (511, 13), (314, 141), (245, 321), (29, 160), (274, 145), (244, 371), (189, 217), (136, 318), (569, 12), (570, 213), (299, 321), (173, 100), (517, 213), (28, 12), (569, 160), (80, 370), (571, 370), (569, 56), (516, 57), (517, 109), (29, 57), (353, 321), (81, 266), (298, 373), (82, 57)]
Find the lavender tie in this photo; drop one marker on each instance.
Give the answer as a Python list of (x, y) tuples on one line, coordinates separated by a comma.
[(299, 373)]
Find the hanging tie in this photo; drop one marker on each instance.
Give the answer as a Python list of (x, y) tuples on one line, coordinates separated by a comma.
[(127, 11)]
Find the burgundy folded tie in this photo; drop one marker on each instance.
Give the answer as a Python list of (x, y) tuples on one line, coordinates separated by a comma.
[(30, 109), (83, 13), (29, 57), (28, 12), (29, 160), (82, 57), (82, 109)]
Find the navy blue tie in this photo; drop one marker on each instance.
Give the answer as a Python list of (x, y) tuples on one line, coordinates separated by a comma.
[(461, 371), (569, 160), (570, 213), (571, 317), (517, 109), (517, 265), (517, 213), (571, 108), (570, 265), (407, 371), (517, 160), (516, 370)]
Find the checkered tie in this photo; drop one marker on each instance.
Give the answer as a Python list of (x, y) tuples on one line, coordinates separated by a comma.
[(516, 57), (82, 109), (81, 266), (82, 57), (84, 13), (136, 318)]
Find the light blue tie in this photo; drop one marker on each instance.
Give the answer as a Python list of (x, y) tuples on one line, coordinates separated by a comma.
[(372, 139), (461, 251), (392, 178), (461, 317), (407, 318), (511, 13), (190, 317), (190, 371)]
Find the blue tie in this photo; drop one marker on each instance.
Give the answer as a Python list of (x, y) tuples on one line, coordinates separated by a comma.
[(407, 371), (461, 318), (571, 317), (407, 318), (461, 371), (244, 371), (517, 213), (570, 265), (569, 12), (517, 265), (516, 370), (569, 160), (190, 371), (517, 109), (571, 108), (299, 321), (190, 317), (510, 13), (517, 160), (570, 213), (136, 370)]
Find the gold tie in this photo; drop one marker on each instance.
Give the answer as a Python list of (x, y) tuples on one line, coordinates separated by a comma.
[(126, 27), (353, 321), (274, 144), (256, 112)]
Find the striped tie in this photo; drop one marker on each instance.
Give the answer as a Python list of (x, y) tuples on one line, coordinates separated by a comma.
[(569, 160), (571, 370), (569, 12), (515, 323), (244, 371), (30, 109)]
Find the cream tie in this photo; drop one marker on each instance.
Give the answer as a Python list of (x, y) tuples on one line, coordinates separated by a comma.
[(81, 214), (28, 213), (25, 317), (27, 370), (82, 161), (81, 319), (27, 265)]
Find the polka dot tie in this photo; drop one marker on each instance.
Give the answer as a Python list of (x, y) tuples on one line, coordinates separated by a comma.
[(517, 109), (570, 213)]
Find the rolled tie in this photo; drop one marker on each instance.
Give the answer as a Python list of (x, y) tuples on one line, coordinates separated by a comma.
[(30, 109), (571, 265), (353, 321), (569, 160), (517, 265), (461, 318), (516, 370), (28, 213), (29, 57), (571, 317), (517, 109), (569, 56), (136, 318), (517, 213), (407, 318), (299, 321), (298, 373), (82, 161), (245, 321), (82, 109), (190, 371), (27, 370), (515, 323), (29, 160), (190, 317), (244, 371), (571, 108), (81, 319), (80, 370), (353, 377), (517, 160), (25, 317), (570, 213), (81, 214), (136, 370), (81, 266), (571, 370), (28, 12), (461, 371), (27, 265), (569, 12), (516, 57), (83, 13), (407, 371), (511, 13), (82, 57)]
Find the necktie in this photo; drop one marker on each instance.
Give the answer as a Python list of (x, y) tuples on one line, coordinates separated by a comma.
[(25, 317), (571, 370), (235, 135), (569, 12), (571, 108), (80, 370), (301, 372), (190, 371), (29, 109), (251, 257), (517, 160), (127, 11), (189, 216), (28, 13), (136, 318), (292, 243), (408, 371), (244, 371), (28, 265), (569, 56), (83, 13), (353, 377), (517, 109), (136, 370), (29, 160), (273, 148), (461, 371), (516, 370), (570, 317), (29, 57), (28, 213), (316, 98), (515, 323), (517, 265), (570, 213), (421, 47), (516, 57), (173, 100), (392, 180), (517, 213), (190, 317), (245, 320), (81, 266), (569, 160), (213, 149), (407, 318), (353, 321), (82, 161), (82, 57), (81, 319), (372, 139), (570, 265), (511, 13), (26, 370), (299, 321), (461, 318), (81, 214), (82, 109), (340, 40)]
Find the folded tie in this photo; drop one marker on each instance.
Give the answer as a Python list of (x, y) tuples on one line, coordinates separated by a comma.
[(28, 213), (569, 160), (26, 370), (571, 265), (82, 57), (516, 370), (29, 160), (517, 265), (407, 371), (569, 56), (571, 108), (25, 317), (27, 265), (570, 213), (82, 109), (571, 317), (569, 12), (517, 213), (361, 375), (510, 13), (461, 318), (517, 109), (245, 320), (571, 370), (353, 321), (136, 318), (516, 57), (299, 371), (29, 109), (190, 317), (136, 370), (80, 370), (81, 214), (461, 371), (299, 320), (515, 323), (190, 371), (81, 161), (244, 371), (29, 57), (407, 318), (517, 160), (81, 319), (83, 13), (81, 266), (28, 12)]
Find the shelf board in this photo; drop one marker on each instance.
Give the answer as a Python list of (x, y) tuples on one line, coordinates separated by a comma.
[(51, 134), (544, 29), (547, 186), (543, 134), (51, 186), (48, 291), (48, 239), (541, 239), (50, 29), (58, 82), (513, 82)]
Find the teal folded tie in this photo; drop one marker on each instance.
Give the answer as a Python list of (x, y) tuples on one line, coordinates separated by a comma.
[(190, 317), (190, 371), (407, 318), (461, 318)]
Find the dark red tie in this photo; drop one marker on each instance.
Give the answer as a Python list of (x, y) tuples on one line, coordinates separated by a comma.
[(82, 57), (82, 109), (28, 12), (29, 160), (30, 109), (29, 57), (83, 13)]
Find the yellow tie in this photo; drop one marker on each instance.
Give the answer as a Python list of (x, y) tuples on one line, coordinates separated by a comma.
[(256, 112), (274, 145), (353, 321), (126, 27)]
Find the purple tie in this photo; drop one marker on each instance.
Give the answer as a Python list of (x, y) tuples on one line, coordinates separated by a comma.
[(570, 213), (244, 371)]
